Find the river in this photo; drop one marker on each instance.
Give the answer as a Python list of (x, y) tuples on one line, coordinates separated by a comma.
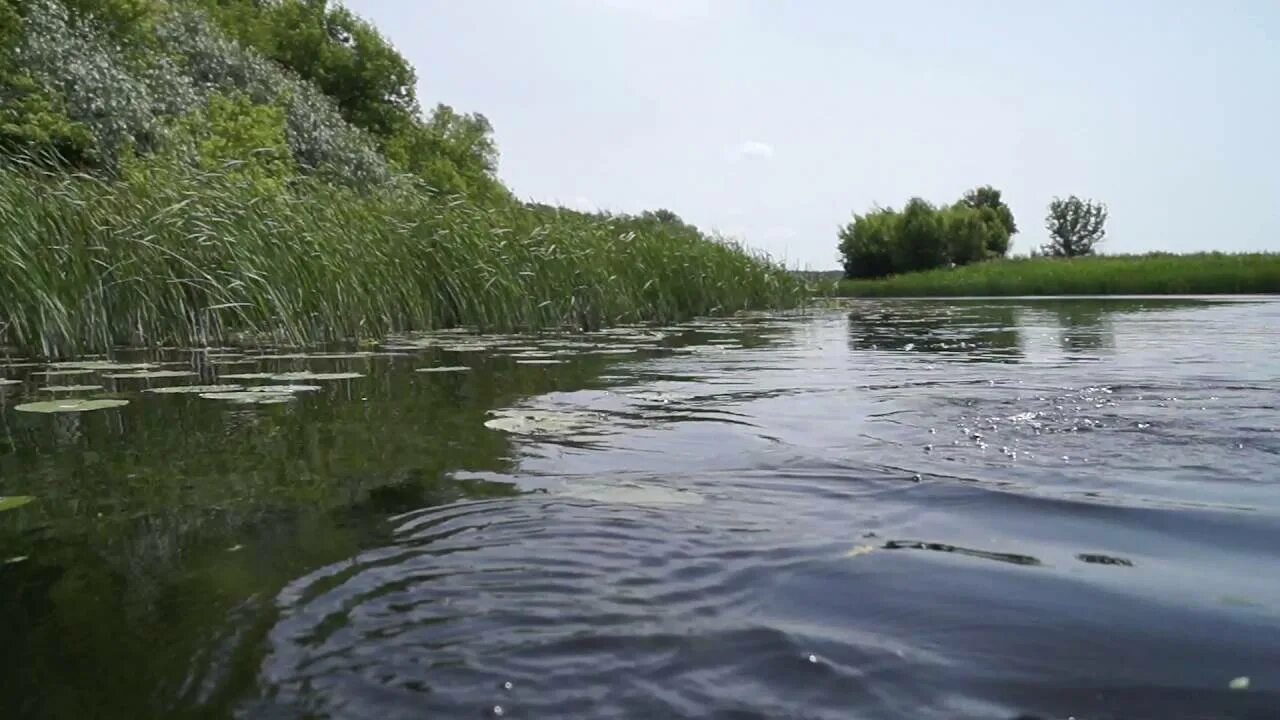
[(949, 509)]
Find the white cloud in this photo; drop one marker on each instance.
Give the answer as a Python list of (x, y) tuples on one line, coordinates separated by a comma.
[(755, 149)]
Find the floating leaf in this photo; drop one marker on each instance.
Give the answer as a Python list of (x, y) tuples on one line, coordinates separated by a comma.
[(249, 398), (282, 389), (70, 388), (195, 389), (308, 375), (104, 365), (533, 422), (444, 369), (248, 376), (630, 493), (150, 374), (13, 502), (67, 406)]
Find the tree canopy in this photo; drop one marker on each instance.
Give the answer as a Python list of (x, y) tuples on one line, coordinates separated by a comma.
[(1075, 227), (922, 236)]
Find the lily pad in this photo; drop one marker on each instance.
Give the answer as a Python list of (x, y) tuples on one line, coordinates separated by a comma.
[(249, 398), (70, 388), (104, 365), (248, 376), (444, 369), (282, 389), (149, 374), (67, 406), (308, 375), (630, 493), (194, 389), (13, 502), (535, 422)]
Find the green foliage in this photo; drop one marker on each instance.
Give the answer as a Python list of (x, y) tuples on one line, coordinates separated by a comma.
[(1075, 227), (1154, 274), (921, 236), (176, 254)]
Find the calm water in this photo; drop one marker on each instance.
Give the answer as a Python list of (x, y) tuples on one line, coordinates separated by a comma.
[(981, 509)]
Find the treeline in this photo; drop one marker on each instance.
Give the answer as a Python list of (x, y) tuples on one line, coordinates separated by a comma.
[(922, 236)]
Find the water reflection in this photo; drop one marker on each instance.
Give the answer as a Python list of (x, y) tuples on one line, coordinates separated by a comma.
[(955, 331)]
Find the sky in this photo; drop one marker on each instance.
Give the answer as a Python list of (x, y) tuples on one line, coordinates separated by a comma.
[(773, 121)]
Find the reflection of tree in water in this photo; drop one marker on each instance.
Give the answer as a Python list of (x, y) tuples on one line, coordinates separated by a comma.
[(161, 531), (961, 330), (1086, 325)]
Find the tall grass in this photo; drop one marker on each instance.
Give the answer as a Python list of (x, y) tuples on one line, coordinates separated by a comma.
[(174, 255), (1154, 274)]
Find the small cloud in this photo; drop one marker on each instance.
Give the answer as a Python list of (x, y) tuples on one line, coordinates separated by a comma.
[(755, 149)]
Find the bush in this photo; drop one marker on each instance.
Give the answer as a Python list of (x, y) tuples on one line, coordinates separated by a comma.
[(923, 237)]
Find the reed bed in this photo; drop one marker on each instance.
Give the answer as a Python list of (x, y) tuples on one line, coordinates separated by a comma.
[(1154, 274), (176, 255)]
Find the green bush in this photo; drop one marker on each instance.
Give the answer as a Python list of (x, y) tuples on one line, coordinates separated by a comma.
[(922, 237)]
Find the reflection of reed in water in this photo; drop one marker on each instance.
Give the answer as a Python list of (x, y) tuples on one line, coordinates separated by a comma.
[(962, 331)]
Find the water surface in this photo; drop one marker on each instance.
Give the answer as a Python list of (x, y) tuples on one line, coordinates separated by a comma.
[(883, 509)]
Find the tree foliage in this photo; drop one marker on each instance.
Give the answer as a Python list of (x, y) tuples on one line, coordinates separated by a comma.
[(922, 236), (95, 82), (1075, 227)]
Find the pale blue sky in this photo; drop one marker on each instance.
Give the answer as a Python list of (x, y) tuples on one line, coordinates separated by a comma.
[(773, 120)]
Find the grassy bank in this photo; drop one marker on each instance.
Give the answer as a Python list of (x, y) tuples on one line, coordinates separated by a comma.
[(174, 255), (1156, 274)]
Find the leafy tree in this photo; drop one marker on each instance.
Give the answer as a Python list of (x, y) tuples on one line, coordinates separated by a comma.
[(867, 244), (972, 233), (922, 240), (990, 199), (1075, 227)]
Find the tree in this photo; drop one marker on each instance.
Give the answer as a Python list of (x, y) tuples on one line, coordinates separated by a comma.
[(922, 239), (867, 244), (973, 234), (1075, 226), (989, 199)]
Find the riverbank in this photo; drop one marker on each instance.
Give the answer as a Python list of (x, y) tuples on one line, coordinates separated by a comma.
[(178, 256), (1156, 274)]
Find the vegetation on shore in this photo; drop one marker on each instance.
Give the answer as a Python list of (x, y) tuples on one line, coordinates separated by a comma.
[(196, 171), (1153, 274)]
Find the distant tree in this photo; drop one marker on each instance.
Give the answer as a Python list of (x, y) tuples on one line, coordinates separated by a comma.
[(1075, 226), (989, 197), (973, 234), (867, 244), (922, 239)]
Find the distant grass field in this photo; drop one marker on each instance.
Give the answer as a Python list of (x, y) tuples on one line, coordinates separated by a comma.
[(1155, 274)]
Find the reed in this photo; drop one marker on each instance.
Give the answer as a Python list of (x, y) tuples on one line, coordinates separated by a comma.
[(176, 255), (1154, 274)]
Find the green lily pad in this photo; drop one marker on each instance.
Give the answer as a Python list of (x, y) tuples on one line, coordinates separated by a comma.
[(194, 389), (104, 365), (13, 502), (249, 398), (70, 388), (544, 423), (629, 493), (282, 389), (308, 375), (150, 374), (67, 406), (248, 376), (444, 369)]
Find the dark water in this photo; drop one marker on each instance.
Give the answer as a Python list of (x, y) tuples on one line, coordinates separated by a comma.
[(981, 509)]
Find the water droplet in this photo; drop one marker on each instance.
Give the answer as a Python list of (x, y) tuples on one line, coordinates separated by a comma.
[(814, 658), (932, 431), (497, 710), (916, 477), (507, 685), (928, 448)]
